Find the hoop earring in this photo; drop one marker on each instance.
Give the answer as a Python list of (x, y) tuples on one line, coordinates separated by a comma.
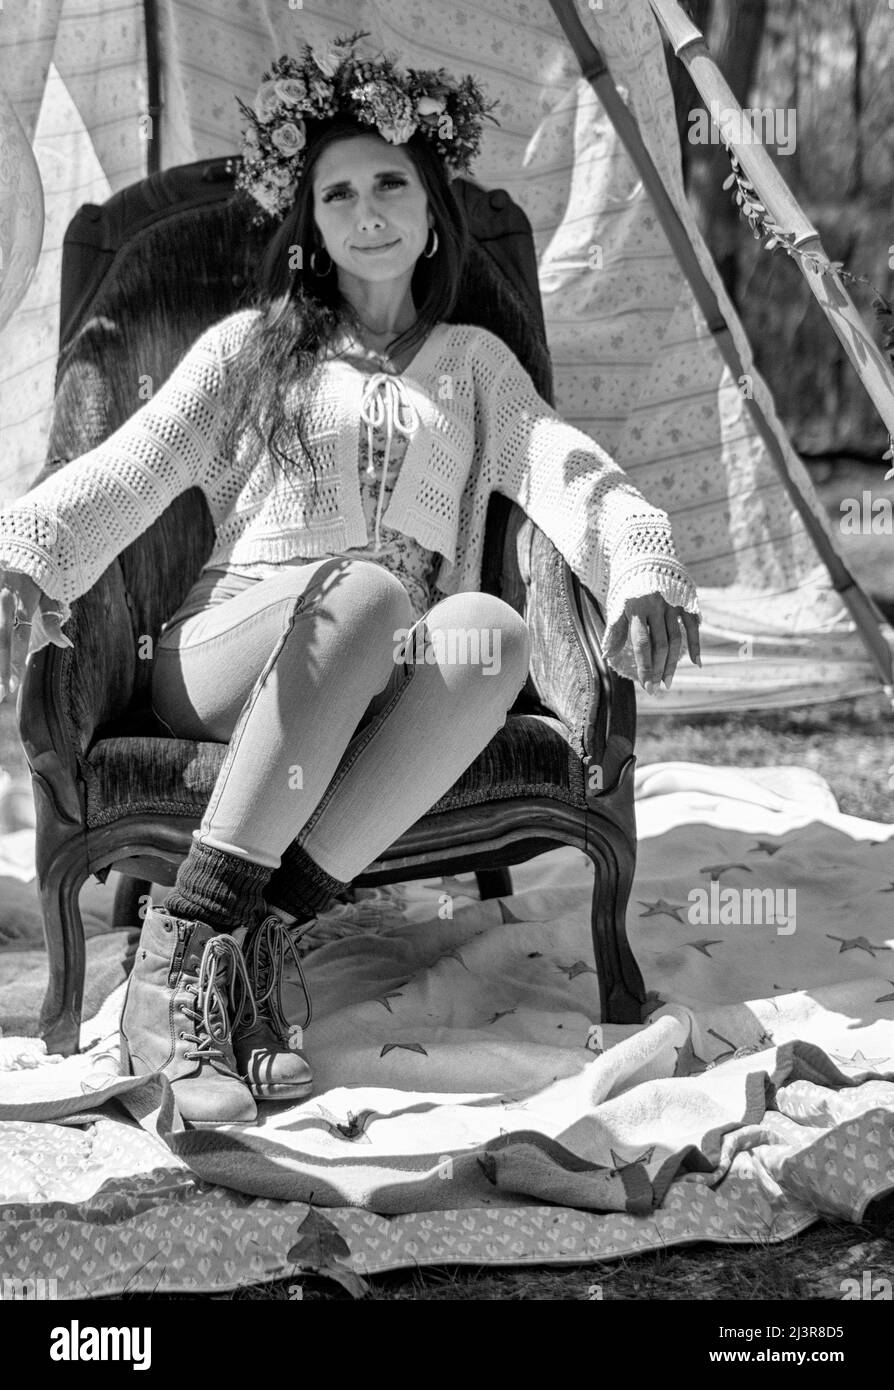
[(321, 274), (428, 254)]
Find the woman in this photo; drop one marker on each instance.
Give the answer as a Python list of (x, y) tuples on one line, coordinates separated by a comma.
[(312, 643)]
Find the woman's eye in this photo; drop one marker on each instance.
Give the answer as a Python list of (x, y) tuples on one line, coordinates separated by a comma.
[(394, 183)]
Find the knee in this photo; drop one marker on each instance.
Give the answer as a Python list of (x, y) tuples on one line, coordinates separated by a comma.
[(377, 602), (486, 625)]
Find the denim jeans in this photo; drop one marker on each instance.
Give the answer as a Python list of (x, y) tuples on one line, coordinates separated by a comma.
[(341, 735)]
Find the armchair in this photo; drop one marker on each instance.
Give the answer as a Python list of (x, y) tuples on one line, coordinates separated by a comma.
[(143, 275)]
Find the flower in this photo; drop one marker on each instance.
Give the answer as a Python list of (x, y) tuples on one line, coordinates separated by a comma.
[(398, 132), (395, 103), (281, 177), (327, 63), (266, 102), (389, 109), (268, 199), (289, 138), (431, 106), (291, 91)]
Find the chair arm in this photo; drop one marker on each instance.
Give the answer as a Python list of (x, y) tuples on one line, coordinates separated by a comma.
[(68, 693), (571, 675), (46, 736)]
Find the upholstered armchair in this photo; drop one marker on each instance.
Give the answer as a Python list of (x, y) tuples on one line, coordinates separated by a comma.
[(143, 275)]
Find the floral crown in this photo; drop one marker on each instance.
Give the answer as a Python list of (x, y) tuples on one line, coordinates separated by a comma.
[(321, 85)]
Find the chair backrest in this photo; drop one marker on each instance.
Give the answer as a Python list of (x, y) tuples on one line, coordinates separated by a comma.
[(142, 276)]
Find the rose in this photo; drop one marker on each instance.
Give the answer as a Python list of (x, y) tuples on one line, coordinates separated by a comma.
[(266, 102), (290, 91), (289, 138)]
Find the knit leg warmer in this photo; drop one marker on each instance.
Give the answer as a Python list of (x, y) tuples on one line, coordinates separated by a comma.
[(219, 889), (300, 887)]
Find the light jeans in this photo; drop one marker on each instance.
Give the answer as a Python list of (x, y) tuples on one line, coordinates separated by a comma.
[(338, 737)]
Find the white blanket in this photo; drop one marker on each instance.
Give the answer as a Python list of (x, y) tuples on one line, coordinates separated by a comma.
[(463, 1074)]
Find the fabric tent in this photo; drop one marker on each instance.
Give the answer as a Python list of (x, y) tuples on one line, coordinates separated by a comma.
[(635, 364)]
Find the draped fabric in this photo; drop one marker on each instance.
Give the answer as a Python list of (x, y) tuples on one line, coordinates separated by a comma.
[(634, 363)]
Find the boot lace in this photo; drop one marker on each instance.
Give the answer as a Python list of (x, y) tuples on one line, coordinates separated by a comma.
[(265, 955), (222, 992)]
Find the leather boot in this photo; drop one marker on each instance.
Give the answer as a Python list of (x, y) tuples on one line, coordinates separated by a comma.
[(187, 985), (267, 1053)]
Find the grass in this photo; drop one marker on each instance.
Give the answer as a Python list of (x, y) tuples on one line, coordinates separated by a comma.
[(851, 744), (848, 742)]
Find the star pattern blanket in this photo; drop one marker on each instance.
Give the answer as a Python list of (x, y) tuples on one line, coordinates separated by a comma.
[(470, 1105)]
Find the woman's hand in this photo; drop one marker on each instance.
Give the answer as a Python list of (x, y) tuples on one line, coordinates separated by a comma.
[(21, 604), (654, 628)]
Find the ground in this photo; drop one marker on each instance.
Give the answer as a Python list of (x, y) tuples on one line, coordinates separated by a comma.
[(851, 744)]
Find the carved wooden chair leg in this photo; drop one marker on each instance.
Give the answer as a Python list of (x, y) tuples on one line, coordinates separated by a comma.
[(622, 994), (126, 906), (60, 1017), (494, 883)]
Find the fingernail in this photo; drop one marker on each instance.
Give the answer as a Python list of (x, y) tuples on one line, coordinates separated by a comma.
[(649, 687)]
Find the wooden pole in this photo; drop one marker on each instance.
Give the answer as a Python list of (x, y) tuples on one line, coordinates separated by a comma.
[(827, 287), (866, 615)]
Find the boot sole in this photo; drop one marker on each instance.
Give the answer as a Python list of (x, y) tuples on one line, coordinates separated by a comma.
[(282, 1092)]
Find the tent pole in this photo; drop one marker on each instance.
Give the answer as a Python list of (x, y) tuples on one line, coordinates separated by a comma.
[(870, 364), (866, 615), (153, 87)]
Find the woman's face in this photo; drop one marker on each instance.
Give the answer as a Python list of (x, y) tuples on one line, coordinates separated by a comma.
[(367, 194)]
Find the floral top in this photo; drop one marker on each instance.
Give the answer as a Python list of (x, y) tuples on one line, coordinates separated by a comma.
[(387, 423)]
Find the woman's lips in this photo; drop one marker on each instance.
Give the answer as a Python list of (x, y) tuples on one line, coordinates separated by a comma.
[(371, 250)]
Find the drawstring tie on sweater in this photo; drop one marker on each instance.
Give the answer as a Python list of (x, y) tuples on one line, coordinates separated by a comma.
[(385, 401)]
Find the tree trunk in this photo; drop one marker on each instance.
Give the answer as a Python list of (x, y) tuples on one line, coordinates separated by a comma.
[(857, 103), (686, 97), (735, 30)]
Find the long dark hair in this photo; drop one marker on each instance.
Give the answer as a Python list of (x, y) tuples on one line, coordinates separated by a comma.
[(303, 312)]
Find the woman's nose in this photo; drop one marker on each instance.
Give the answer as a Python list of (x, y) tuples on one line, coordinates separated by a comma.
[(368, 216)]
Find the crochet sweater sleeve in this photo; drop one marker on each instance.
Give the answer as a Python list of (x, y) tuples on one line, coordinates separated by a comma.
[(618, 544), (68, 529)]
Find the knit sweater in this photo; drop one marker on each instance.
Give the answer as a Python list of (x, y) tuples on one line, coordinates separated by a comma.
[(387, 414), (479, 426)]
